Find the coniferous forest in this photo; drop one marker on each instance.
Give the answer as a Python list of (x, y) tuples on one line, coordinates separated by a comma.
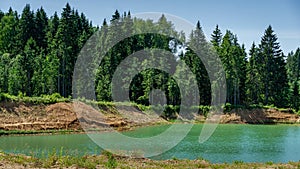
[(38, 53)]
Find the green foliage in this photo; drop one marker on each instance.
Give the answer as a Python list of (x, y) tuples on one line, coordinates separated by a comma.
[(38, 55), (293, 73), (43, 99), (111, 162), (2, 97), (228, 107), (237, 162), (269, 163)]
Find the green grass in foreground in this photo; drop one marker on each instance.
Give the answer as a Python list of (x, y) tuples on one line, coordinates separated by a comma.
[(108, 160)]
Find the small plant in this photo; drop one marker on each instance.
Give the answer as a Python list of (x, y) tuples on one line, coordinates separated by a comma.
[(111, 162), (269, 163), (174, 158), (201, 159), (238, 162)]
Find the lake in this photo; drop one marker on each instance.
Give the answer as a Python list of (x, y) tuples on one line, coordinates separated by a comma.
[(230, 142)]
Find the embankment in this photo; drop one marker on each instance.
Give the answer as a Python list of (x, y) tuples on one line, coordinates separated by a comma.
[(76, 116)]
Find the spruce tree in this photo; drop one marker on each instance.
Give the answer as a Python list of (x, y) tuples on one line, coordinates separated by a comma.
[(216, 37), (254, 82), (41, 28), (26, 26), (293, 72), (272, 60)]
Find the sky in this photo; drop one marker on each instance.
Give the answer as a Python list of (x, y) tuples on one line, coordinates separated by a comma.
[(246, 18)]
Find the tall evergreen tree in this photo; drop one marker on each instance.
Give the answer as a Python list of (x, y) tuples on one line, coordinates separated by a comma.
[(30, 52), (271, 54), (216, 37), (233, 57), (26, 26), (196, 62), (41, 28), (65, 51), (254, 81), (293, 72)]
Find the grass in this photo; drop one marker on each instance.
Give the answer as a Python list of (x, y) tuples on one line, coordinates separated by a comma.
[(170, 109), (44, 99), (108, 160)]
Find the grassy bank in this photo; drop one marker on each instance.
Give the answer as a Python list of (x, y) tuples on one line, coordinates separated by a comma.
[(107, 160), (170, 110)]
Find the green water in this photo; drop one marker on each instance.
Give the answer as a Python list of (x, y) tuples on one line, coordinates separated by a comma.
[(249, 143)]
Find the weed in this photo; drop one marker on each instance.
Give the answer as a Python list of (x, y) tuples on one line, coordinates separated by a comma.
[(111, 162)]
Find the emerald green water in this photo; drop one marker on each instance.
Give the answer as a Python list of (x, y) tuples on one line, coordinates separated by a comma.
[(249, 143)]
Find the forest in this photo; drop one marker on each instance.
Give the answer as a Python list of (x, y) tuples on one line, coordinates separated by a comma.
[(38, 54)]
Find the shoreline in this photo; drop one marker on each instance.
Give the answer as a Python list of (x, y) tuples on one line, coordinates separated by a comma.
[(108, 160), (4, 133), (19, 118)]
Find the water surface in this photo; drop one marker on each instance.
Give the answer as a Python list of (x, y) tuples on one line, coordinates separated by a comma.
[(249, 143)]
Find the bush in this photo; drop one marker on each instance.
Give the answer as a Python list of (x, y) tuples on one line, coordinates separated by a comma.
[(204, 110), (170, 112), (43, 99), (228, 107)]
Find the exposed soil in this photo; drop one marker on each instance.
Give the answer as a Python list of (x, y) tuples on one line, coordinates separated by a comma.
[(76, 116), (260, 116), (71, 116)]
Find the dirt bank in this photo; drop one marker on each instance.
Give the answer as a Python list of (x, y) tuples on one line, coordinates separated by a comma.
[(260, 116), (71, 116), (75, 116)]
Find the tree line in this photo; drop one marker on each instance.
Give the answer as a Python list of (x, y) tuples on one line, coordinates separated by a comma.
[(38, 54)]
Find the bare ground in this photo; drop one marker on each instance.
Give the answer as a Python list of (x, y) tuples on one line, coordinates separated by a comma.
[(71, 116), (260, 116), (77, 115)]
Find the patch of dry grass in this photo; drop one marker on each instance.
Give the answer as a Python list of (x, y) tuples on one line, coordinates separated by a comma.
[(107, 160)]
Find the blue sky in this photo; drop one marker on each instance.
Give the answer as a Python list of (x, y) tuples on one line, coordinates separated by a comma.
[(248, 19)]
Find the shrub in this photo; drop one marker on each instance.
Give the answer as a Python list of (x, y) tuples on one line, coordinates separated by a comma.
[(269, 163), (227, 107)]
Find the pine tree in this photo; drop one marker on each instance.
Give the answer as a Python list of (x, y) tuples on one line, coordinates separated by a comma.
[(293, 72), (41, 28), (52, 30), (26, 26), (254, 82), (115, 17), (67, 50), (234, 59), (30, 52), (270, 53), (216, 37), (196, 60)]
